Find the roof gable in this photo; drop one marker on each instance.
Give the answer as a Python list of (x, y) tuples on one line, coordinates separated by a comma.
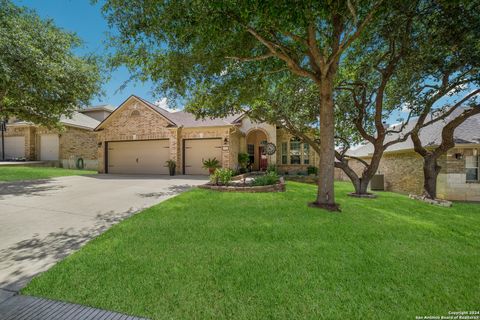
[(135, 99)]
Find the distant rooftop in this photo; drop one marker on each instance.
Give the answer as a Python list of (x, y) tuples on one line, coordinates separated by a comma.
[(100, 107), (467, 133)]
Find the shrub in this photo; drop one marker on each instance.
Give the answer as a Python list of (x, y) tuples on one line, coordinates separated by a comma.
[(271, 168), (312, 170), (266, 179), (222, 176), (211, 164), (243, 159)]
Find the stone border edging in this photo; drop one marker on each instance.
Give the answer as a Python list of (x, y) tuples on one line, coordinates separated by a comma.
[(437, 202), (278, 187)]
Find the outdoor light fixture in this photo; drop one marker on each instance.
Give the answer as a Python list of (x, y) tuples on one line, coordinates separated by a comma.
[(225, 141), (458, 156)]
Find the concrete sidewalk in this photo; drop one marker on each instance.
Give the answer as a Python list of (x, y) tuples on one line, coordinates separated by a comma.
[(32, 308)]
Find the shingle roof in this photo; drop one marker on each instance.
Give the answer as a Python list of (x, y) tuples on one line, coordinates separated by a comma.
[(101, 107), (467, 133), (77, 119), (188, 120), (80, 120)]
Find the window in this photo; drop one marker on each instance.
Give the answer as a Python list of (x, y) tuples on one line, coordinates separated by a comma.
[(135, 113), (306, 153), (251, 153), (251, 149), (471, 166), (295, 151), (284, 153)]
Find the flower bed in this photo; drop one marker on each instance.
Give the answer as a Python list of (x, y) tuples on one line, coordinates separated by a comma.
[(246, 187)]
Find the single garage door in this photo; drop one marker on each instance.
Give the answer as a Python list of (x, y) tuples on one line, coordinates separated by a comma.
[(198, 150), (138, 157), (14, 147), (49, 147)]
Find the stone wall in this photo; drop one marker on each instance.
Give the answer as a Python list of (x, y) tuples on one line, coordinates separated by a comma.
[(452, 184), (78, 143), (74, 143), (235, 149)]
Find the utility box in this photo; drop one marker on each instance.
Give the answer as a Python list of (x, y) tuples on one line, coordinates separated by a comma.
[(377, 183)]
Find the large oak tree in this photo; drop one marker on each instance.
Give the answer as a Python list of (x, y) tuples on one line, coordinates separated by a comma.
[(209, 52), (41, 78)]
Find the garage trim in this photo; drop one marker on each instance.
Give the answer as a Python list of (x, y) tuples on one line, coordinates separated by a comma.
[(183, 149), (107, 142)]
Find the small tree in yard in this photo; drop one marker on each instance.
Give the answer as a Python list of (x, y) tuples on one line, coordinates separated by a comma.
[(215, 53), (450, 85), (40, 77), (366, 97)]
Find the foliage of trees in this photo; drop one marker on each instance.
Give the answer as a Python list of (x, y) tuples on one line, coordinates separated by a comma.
[(331, 73), (215, 52), (41, 78)]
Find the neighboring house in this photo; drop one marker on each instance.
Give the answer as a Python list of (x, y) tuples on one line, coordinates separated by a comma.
[(139, 137), (64, 148), (402, 167)]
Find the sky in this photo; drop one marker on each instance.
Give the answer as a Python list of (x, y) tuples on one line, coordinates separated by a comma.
[(86, 20)]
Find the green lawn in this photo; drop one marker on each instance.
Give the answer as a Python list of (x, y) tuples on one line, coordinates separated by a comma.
[(15, 173), (210, 255)]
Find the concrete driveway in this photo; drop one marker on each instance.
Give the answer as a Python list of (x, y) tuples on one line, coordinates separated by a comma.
[(42, 221)]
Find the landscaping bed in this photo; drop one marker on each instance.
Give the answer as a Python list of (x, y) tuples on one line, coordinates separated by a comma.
[(238, 186), (222, 180)]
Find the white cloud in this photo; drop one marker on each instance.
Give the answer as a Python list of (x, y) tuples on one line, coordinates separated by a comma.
[(163, 103)]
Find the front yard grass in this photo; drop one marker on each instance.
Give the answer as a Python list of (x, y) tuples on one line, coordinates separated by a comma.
[(15, 173), (211, 255)]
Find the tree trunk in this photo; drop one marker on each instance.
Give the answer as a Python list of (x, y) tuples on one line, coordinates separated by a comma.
[(431, 169), (326, 194)]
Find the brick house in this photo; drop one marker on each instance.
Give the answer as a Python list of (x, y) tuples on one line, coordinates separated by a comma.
[(58, 147), (139, 137), (402, 167)]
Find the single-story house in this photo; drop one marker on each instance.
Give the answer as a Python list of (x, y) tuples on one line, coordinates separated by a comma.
[(139, 137), (64, 148), (402, 167)]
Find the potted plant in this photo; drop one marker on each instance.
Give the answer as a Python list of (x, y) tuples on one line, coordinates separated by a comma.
[(211, 165), (171, 166)]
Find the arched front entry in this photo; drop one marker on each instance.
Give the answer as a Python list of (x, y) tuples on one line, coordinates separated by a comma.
[(256, 141)]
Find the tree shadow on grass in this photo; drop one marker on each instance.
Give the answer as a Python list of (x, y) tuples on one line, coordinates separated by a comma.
[(27, 188), (20, 262)]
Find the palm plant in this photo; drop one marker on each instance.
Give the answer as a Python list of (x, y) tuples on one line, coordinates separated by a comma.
[(211, 164)]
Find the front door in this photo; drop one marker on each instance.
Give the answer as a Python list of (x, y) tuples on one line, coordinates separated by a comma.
[(262, 159)]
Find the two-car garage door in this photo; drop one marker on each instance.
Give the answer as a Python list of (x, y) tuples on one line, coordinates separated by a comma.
[(138, 157)]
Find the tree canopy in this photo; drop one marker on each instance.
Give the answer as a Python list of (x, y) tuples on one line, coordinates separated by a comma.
[(41, 78), (215, 53)]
